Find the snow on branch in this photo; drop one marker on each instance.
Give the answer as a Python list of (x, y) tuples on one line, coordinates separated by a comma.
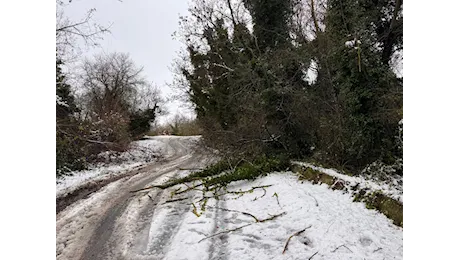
[(61, 102)]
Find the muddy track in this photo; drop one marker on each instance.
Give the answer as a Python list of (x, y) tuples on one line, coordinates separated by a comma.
[(105, 220), (89, 188)]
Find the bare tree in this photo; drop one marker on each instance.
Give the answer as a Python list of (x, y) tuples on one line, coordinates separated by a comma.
[(115, 90), (112, 82), (69, 32)]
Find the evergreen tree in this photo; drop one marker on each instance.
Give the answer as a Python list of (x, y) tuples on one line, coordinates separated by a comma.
[(65, 101), (365, 93), (70, 149), (270, 19)]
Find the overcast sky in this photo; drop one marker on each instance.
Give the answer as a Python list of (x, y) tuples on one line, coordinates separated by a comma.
[(143, 28)]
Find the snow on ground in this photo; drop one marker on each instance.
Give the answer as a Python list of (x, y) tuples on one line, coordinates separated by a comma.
[(335, 226), (155, 226), (74, 224), (114, 164), (393, 188)]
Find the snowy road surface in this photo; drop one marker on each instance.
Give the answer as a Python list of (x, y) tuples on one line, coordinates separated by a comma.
[(113, 223)]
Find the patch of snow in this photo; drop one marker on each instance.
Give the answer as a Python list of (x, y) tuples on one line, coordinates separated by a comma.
[(352, 43), (392, 189), (312, 73), (73, 180), (61, 102), (335, 226), (396, 63), (139, 153)]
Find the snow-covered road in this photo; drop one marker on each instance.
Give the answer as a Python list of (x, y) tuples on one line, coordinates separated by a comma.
[(113, 223)]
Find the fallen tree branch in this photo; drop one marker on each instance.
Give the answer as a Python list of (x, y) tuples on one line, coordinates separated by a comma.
[(295, 234)]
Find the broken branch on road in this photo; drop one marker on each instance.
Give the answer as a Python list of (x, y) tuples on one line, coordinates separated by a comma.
[(147, 188)]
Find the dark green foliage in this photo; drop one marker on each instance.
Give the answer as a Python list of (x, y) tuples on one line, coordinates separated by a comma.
[(211, 80), (73, 152), (250, 171), (65, 103), (363, 121), (211, 170), (139, 122), (252, 99), (246, 101), (224, 172), (270, 19), (70, 154)]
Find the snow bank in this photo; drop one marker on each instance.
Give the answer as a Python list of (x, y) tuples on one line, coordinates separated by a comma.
[(391, 188), (114, 164)]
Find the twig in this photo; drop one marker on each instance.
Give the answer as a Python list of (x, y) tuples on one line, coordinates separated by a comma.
[(272, 217), (340, 247), (295, 234), (226, 231), (147, 188), (313, 198), (313, 255), (277, 200), (329, 227), (174, 200), (265, 192), (190, 188), (244, 213), (150, 197), (250, 190)]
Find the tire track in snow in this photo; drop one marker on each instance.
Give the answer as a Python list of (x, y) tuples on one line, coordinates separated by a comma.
[(219, 250), (115, 223)]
